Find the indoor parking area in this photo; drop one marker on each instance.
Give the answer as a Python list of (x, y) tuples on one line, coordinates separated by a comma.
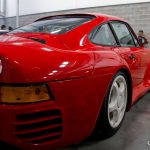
[(74, 75)]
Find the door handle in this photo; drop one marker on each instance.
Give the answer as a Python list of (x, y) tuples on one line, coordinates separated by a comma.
[(131, 56)]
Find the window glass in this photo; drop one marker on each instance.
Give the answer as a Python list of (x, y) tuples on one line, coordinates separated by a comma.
[(103, 36), (124, 36), (54, 25), (135, 40)]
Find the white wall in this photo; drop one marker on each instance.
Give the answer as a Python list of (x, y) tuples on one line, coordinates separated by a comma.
[(2, 7), (40, 6)]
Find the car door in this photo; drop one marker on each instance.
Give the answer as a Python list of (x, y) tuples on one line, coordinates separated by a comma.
[(135, 56)]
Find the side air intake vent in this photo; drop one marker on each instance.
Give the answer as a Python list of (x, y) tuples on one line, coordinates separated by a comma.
[(38, 40), (39, 127)]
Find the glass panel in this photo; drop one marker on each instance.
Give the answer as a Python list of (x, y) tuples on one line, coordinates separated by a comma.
[(54, 25), (123, 34), (104, 36)]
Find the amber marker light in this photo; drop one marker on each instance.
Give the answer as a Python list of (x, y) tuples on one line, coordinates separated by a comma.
[(23, 94)]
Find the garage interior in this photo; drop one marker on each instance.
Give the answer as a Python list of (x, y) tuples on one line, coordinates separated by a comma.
[(134, 133)]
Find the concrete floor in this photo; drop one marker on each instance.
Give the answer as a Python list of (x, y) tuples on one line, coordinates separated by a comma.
[(133, 135)]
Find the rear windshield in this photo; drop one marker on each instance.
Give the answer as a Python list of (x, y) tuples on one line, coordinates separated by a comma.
[(54, 25)]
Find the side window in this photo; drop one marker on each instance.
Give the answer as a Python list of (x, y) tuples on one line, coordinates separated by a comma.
[(124, 36), (103, 36)]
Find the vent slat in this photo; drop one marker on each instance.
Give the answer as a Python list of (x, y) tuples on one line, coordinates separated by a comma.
[(40, 133), (39, 127), (37, 115), (36, 120), (29, 140), (47, 140), (38, 124)]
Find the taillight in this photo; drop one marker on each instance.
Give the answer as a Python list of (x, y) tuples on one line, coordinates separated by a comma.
[(24, 94)]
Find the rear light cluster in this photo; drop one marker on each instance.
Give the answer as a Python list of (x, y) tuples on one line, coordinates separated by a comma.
[(39, 127), (23, 94)]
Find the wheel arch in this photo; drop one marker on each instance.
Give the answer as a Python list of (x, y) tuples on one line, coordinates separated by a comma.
[(127, 73)]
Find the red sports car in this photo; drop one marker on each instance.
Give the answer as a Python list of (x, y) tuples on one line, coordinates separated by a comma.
[(66, 76)]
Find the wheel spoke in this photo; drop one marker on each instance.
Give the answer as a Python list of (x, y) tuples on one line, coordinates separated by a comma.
[(114, 96), (121, 88), (115, 117), (122, 96), (117, 87), (122, 107), (120, 102), (112, 107)]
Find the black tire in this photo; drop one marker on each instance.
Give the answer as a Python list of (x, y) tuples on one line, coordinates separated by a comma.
[(103, 128)]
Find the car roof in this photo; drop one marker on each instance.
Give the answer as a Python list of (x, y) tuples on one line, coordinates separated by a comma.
[(90, 15), (109, 17)]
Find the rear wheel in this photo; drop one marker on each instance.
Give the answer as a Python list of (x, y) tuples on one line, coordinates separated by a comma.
[(114, 107)]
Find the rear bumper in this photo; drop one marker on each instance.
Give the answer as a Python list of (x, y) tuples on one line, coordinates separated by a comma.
[(40, 126), (66, 120), (31, 126)]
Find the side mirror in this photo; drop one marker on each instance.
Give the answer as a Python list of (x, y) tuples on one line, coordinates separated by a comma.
[(142, 41)]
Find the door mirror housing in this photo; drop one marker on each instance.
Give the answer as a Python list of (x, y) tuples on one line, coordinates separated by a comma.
[(142, 41)]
